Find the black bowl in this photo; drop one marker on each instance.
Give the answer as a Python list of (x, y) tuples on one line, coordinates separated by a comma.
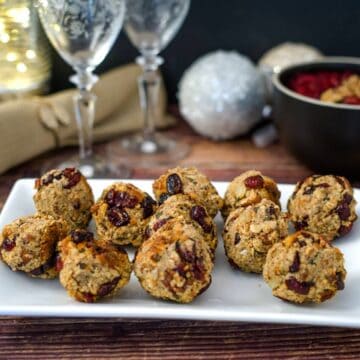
[(324, 136)]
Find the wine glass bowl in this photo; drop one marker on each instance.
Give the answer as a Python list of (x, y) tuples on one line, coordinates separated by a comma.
[(150, 26), (82, 32), (158, 24)]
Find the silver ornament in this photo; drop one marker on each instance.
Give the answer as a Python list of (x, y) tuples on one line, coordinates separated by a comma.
[(222, 95)]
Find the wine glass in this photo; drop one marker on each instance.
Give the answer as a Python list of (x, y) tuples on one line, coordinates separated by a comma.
[(151, 25), (82, 32)]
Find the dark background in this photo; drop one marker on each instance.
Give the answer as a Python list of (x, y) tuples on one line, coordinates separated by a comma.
[(248, 26)]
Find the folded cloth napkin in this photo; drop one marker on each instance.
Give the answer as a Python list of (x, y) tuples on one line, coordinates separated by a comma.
[(29, 127)]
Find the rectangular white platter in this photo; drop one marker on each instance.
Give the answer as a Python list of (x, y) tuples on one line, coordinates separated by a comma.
[(232, 296)]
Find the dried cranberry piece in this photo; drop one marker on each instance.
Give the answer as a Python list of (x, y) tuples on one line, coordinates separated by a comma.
[(343, 211), (174, 184), (351, 100), (339, 281), (198, 214), (295, 266), (301, 288), (343, 230), (347, 199), (237, 238), (59, 263), (88, 297), (78, 236), (163, 197), (148, 206), (73, 176), (8, 244), (160, 223), (120, 199), (254, 182), (199, 269), (118, 217), (108, 287)]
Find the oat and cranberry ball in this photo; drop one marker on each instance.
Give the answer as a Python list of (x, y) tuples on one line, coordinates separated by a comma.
[(122, 213), (65, 194), (91, 269), (247, 189), (28, 244), (304, 268), (250, 232), (174, 264), (191, 182), (323, 204), (186, 211)]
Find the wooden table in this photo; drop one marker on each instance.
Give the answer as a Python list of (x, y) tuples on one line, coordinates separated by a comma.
[(46, 338)]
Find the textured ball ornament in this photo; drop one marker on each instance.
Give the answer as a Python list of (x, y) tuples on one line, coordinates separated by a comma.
[(222, 95)]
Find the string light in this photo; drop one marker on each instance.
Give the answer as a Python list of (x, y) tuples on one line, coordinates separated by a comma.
[(24, 61)]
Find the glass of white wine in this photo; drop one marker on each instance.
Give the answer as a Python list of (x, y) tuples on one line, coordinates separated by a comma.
[(150, 26), (82, 32)]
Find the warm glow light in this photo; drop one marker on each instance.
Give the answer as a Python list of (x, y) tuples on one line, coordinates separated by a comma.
[(21, 67), (30, 54), (11, 56), (20, 15), (4, 38)]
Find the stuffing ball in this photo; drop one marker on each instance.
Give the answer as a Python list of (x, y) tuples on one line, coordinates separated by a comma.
[(91, 269), (250, 232), (28, 244), (174, 264), (185, 210), (323, 204), (65, 194), (191, 182), (304, 268), (122, 213), (249, 188)]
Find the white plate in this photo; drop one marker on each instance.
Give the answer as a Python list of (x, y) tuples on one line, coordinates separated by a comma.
[(233, 295)]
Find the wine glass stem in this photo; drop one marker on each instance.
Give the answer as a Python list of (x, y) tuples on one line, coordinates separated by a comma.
[(149, 84), (84, 102)]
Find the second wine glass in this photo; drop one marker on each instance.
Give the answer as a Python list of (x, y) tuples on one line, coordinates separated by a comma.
[(151, 25), (82, 32)]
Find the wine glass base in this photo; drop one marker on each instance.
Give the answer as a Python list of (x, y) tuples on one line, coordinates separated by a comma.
[(97, 167), (157, 150)]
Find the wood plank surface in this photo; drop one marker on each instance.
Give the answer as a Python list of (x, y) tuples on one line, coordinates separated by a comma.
[(72, 338)]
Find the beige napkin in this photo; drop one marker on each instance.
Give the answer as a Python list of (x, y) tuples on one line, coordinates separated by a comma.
[(29, 127)]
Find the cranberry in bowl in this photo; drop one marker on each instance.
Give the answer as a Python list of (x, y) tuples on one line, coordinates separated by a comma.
[(317, 112)]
